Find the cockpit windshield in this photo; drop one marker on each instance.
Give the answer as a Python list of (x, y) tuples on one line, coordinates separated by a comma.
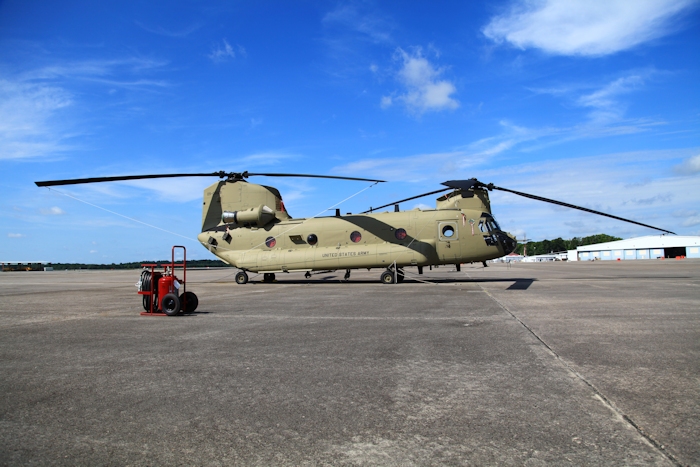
[(488, 223)]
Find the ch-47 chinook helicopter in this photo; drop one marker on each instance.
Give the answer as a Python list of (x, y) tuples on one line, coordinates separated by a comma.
[(247, 225)]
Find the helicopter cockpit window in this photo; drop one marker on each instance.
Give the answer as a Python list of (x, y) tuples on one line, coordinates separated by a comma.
[(312, 239), (400, 234), (270, 242), (488, 225), (355, 236)]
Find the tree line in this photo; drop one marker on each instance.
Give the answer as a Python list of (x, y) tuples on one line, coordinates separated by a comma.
[(559, 244), (196, 263)]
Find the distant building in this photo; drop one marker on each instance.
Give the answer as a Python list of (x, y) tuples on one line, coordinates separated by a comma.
[(561, 256), (649, 247), (24, 266), (512, 258)]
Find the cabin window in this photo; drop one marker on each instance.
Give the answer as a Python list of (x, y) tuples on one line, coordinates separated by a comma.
[(355, 236), (312, 239), (448, 231), (270, 242), (400, 234)]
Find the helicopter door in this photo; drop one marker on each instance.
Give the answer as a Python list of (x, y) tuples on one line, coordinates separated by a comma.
[(448, 241)]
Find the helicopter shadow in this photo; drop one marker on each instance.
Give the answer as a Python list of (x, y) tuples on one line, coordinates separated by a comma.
[(516, 283)]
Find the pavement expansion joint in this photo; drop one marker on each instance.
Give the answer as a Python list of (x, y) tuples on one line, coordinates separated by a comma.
[(599, 395)]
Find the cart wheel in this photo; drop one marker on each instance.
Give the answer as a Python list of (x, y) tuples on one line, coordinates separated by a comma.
[(241, 277), (387, 277), (192, 302), (170, 304)]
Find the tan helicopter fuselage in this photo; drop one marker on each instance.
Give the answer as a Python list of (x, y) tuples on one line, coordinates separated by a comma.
[(256, 233)]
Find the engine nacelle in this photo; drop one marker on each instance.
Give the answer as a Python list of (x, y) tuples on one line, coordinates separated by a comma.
[(256, 217)]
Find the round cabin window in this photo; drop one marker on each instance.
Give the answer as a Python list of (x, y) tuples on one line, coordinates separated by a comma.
[(355, 236), (448, 231), (400, 234), (312, 239), (270, 242)]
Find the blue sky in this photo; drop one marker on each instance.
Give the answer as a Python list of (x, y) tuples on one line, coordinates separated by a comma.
[(591, 103)]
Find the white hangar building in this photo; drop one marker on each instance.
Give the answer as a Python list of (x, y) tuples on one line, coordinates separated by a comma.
[(650, 247)]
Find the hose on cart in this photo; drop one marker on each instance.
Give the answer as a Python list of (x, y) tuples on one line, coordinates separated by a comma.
[(145, 286)]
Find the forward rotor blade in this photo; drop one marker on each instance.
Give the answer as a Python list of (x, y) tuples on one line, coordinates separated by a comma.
[(490, 186), (313, 176), (407, 199), (463, 185)]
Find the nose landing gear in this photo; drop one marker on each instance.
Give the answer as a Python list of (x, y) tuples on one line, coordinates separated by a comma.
[(241, 278)]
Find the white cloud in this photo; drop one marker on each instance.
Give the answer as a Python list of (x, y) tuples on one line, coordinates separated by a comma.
[(605, 97), (415, 168), (370, 26), (160, 30), (223, 52), (605, 102), (595, 182), (15, 235), (36, 105), (691, 221), (26, 113), (690, 166), (585, 27), (179, 190), (424, 91), (53, 211)]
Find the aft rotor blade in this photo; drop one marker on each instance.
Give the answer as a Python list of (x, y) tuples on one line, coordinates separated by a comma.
[(78, 181), (407, 199), (313, 176), (221, 174), (573, 206)]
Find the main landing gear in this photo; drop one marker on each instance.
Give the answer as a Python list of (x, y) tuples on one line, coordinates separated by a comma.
[(269, 277), (388, 276), (242, 277)]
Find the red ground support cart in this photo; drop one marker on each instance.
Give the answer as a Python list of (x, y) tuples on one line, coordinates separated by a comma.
[(163, 293)]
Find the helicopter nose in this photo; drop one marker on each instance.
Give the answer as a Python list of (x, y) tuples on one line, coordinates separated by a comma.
[(509, 243)]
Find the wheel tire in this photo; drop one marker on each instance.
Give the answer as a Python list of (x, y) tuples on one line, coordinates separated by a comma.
[(192, 302), (269, 277), (170, 304), (387, 277), (241, 278)]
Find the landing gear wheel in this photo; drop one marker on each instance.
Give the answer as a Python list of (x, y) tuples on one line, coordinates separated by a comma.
[(269, 277), (307, 275), (241, 278), (170, 304), (188, 302), (387, 277), (347, 274)]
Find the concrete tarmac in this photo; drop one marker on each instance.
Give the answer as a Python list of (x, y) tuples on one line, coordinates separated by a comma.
[(592, 363)]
